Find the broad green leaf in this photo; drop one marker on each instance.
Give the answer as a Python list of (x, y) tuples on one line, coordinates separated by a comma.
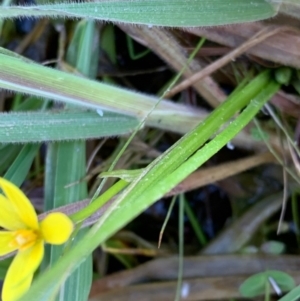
[(175, 13), (62, 125), (284, 280), (256, 284), (283, 75), (273, 247)]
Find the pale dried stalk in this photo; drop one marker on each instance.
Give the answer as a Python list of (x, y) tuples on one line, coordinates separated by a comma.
[(205, 176), (262, 35), (274, 49), (165, 269), (193, 289), (239, 233)]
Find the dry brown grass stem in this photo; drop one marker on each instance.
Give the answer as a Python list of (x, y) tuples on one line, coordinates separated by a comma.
[(261, 36)]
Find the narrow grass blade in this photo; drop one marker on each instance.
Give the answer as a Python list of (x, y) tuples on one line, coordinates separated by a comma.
[(22, 76), (69, 161), (66, 165), (30, 104), (7, 155), (85, 35), (19, 169), (174, 13), (293, 295), (9, 152), (62, 125)]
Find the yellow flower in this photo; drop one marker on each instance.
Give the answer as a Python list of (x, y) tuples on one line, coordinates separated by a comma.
[(27, 236)]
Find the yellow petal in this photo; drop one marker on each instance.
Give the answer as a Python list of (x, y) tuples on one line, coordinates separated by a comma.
[(15, 293), (56, 228), (21, 204), (19, 275), (6, 237), (9, 219)]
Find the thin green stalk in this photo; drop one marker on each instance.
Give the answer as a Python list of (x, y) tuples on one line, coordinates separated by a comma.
[(295, 213), (180, 248), (267, 290), (166, 220), (195, 224), (132, 54), (284, 130), (90, 209), (179, 74)]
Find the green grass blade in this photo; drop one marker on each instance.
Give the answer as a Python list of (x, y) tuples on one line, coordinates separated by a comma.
[(19, 169), (78, 285), (30, 104), (195, 223), (86, 35), (22, 76), (62, 125), (139, 195), (213, 147), (178, 13), (4, 265), (9, 152), (7, 155), (293, 295), (180, 248), (153, 183), (66, 165), (69, 161)]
